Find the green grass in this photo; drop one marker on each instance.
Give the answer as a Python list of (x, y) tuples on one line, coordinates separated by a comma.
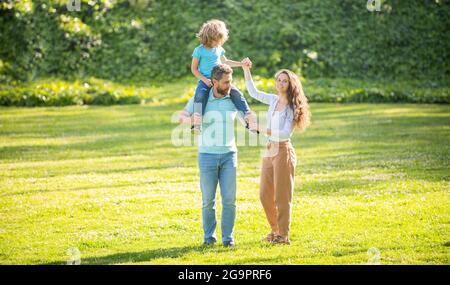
[(108, 181)]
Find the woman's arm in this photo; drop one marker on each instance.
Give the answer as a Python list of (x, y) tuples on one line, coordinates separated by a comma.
[(194, 70), (263, 97)]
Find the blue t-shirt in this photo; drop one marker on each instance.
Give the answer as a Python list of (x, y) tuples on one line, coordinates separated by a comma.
[(217, 134), (208, 58)]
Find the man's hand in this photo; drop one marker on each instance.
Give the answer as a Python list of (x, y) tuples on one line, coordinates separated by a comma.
[(252, 122), (253, 125), (196, 119), (184, 117)]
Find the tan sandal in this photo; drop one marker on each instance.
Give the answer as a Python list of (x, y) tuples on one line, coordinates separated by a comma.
[(270, 237), (281, 240)]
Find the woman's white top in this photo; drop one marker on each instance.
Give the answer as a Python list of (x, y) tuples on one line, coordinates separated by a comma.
[(281, 122)]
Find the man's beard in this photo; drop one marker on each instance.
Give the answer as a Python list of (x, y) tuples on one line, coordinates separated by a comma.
[(223, 92)]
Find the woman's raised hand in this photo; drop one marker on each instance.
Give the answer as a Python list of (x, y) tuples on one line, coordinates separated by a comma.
[(246, 63)]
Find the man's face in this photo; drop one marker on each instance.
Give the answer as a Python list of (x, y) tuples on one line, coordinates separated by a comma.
[(223, 86)]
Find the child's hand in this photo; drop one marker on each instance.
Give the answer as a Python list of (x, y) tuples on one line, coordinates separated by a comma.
[(246, 62), (208, 82)]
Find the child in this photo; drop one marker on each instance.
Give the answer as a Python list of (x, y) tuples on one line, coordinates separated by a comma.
[(213, 34)]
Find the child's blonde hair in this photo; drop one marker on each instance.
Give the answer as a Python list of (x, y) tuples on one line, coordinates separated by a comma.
[(213, 31)]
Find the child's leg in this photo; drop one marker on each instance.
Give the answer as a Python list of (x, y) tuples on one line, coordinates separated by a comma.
[(239, 100), (201, 97)]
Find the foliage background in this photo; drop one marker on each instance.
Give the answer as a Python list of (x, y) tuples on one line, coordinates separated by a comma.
[(145, 40)]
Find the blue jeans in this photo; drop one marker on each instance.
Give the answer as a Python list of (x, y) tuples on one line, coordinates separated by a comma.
[(218, 168), (202, 94)]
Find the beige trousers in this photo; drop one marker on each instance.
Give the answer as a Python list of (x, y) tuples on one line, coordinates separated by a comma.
[(277, 185)]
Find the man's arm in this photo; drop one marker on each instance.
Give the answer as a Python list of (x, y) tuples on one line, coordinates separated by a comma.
[(185, 116)]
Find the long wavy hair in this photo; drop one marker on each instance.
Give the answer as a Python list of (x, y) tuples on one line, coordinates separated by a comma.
[(297, 100)]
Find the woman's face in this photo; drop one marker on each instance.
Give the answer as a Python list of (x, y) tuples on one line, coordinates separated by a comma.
[(282, 83)]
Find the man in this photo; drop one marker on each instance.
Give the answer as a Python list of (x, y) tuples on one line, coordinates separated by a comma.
[(217, 158)]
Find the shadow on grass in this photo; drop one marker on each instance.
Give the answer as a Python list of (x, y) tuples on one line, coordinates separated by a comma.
[(143, 256), (178, 252)]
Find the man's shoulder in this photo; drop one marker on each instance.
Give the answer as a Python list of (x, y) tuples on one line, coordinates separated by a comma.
[(218, 103), (225, 104)]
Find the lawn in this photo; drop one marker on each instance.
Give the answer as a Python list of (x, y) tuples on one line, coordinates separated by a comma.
[(109, 182)]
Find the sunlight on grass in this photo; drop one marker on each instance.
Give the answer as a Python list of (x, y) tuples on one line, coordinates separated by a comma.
[(108, 181)]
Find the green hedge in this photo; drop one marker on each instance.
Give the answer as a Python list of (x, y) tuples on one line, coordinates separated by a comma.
[(367, 91), (55, 92), (348, 90), (389, 95), (144, 41)]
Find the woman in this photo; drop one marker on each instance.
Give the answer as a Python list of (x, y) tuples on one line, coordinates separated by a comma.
[(287, 110)]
